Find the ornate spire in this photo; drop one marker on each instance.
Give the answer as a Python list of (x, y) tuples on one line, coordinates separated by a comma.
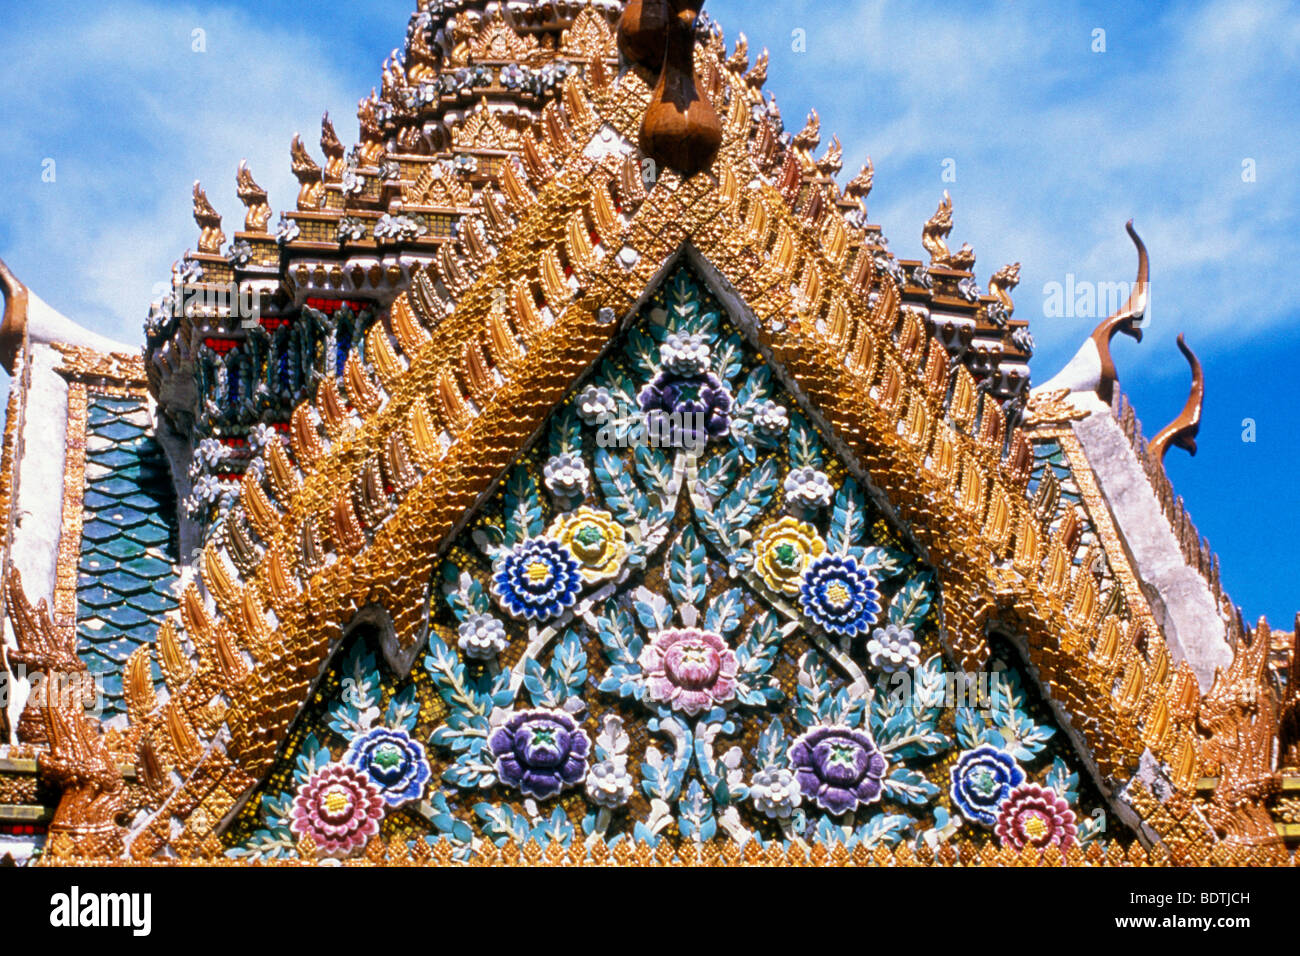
[(211, 238), (1182, 431), (1125, 320), (254, 199)]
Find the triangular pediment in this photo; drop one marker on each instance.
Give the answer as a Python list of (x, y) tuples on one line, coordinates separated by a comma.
[(677, 614)]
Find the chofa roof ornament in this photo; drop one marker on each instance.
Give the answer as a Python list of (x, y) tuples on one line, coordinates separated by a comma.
[(1127, 320), (1092, 370), (1182, 431)]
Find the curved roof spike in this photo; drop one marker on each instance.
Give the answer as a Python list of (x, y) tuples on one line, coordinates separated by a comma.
[(1125, 320), (15, 317), (1182, 431)]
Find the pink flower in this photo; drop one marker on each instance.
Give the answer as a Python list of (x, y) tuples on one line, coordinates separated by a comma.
[(339, 808), (689, 670), (1035, 816)]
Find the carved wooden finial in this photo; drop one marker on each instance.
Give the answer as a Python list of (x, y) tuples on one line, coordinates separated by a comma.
[(1126, 320), (1182, 431), (681, 130)]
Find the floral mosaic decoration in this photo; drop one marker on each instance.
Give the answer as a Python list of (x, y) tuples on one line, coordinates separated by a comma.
[(681, 615)]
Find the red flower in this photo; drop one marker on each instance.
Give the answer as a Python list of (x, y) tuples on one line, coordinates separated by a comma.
[(1035, 816)]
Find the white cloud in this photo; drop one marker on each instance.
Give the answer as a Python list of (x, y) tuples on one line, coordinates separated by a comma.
[(132, 116), (1057, 146)]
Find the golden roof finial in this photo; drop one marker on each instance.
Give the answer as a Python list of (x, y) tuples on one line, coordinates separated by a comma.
[(859, 186), (1182, 431), (254, 199), (738, 62), (311, 192), (211, 238), (14, 326), (333, 149), (936, 231), (757, 76), (831, 164), (372, 136), (1126, 320), (1003, 281), (811, 134), (963, 259)]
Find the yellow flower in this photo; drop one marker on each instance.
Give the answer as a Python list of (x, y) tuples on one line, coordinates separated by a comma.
[(783, 551), (595, 539)]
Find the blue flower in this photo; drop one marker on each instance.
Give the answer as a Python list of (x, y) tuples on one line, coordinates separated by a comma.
[(538, 580), (838, 595), (981, 780), (394, 761)]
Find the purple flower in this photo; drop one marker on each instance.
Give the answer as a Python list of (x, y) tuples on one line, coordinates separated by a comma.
[(540, 752), (691, 409), (838, 768)]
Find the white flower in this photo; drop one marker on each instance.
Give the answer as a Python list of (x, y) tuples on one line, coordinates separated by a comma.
[(241, 253), (351, 229), (609, 784), (894, 649), (771, 419), (261, 436), (211, 452), (685, 354), (567, 476), (808, 488), (482, 637), (288, 231), (596, 405), (775, 793)]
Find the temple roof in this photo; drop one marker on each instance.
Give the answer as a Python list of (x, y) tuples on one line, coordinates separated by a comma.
[(444, 285)]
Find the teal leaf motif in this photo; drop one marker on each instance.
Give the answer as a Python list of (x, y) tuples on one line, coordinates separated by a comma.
[(688, 577), (805, 446), (912, 602)]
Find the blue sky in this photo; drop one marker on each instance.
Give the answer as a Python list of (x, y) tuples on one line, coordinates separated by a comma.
[(1054, 146)]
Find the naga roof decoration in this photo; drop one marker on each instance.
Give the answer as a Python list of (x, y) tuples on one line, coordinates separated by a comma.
[(539, 498)]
